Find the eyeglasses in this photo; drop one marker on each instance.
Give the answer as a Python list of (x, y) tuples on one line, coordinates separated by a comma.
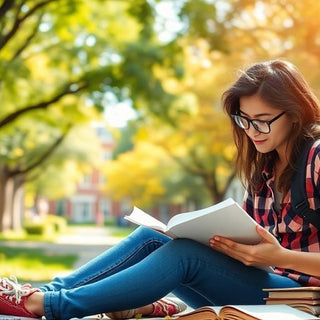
[(262, 126)]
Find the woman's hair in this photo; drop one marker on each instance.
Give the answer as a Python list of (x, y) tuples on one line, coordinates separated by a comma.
[(282, 86)]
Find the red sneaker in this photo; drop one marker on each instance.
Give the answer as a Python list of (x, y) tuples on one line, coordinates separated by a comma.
[(167, 307), (13, 297), (161, 308)]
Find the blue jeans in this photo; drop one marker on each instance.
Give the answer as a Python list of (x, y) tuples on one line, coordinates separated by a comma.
[(148, 265)]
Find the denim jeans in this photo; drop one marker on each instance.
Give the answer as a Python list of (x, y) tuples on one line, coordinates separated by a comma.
[(148, 265)]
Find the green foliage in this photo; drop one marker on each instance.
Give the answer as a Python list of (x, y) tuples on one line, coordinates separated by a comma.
[(202, 19), (39, 228), (48, 226), (124, 140)]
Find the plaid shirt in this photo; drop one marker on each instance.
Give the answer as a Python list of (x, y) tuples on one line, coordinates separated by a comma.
[(289, 228)]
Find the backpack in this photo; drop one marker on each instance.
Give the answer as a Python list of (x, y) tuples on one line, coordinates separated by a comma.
[(299, 198)]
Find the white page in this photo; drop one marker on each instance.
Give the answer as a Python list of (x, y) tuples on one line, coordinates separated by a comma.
[(182, 217), (276, 312), (139, 217), (228, 220), (9, 317)]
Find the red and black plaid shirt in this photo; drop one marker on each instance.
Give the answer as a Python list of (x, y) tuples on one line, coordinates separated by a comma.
[(289, 228)]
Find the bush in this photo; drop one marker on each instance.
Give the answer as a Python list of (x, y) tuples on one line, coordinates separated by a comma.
[(47, 226), (59, 223)]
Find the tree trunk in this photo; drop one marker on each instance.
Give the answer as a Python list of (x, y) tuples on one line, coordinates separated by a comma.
[(7, 210), (2, 197), (212, 187), (17, 204)]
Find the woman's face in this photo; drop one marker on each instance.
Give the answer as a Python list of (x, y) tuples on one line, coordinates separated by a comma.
[(253, 107)]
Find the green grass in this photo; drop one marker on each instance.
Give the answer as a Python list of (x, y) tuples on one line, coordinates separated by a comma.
[(23, 236), (33, 264), (36, 265)]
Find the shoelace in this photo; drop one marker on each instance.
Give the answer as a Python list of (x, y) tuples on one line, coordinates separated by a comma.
[(13, 289)]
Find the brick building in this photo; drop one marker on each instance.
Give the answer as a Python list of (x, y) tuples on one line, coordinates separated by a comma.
[(89, 204)]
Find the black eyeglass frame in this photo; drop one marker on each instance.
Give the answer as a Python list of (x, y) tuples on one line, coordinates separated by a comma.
[(253, 122)]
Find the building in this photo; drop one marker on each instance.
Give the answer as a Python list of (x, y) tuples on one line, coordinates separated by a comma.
[(89, 204)]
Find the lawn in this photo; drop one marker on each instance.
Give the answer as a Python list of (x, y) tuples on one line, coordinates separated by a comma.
[(34, 265)]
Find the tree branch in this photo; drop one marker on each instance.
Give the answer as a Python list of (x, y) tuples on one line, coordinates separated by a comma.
[(18, 21), (42, 105), (28, 39), (42, 158), (5, 7)]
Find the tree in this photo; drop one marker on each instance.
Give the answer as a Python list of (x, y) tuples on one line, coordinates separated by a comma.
[(15, 167), (54, 68), (50, 62), (199, 139)]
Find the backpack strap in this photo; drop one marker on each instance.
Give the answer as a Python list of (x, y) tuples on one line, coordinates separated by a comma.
[(299, 198)]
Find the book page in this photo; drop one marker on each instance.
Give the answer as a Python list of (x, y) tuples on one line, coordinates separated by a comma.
[(203, 313), (186, 216), (142, 218), (291, 301), (226, 219), (266, 312), (9, 317)]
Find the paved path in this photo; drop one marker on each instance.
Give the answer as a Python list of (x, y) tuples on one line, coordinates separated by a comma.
[(86, 242)]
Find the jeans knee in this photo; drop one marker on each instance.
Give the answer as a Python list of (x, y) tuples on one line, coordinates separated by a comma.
[(145, 234), (186, 245)]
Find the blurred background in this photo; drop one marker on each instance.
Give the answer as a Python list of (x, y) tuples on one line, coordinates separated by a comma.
[(107, 104)]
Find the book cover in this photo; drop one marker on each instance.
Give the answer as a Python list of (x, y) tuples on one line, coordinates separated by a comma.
[(295, 292)]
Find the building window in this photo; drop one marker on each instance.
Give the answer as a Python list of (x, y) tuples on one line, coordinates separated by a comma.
[(83, 212), (107, 155), (86, 181), (105, 207)]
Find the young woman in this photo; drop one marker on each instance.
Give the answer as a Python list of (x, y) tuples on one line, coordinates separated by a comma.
[(273, 110)]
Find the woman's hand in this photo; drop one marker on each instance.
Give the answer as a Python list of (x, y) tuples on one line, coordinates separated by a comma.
[(266, 253)]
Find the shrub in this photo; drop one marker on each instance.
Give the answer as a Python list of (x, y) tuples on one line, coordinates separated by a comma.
[(59, 223), (47, 226)]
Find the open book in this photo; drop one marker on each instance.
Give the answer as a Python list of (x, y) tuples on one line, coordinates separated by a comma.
[(246, 312), (226, 219), (303, 298)]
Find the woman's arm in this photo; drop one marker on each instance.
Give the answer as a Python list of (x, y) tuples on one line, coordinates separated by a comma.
[(268, 253), (305, 262)]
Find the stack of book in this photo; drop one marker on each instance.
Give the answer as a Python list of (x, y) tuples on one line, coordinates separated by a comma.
[(306, 299)]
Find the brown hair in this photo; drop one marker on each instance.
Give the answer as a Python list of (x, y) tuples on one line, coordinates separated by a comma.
[(281, 85)]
